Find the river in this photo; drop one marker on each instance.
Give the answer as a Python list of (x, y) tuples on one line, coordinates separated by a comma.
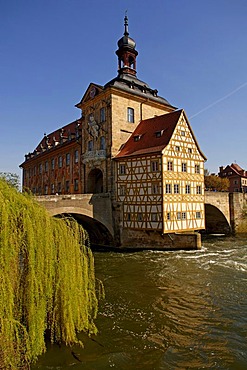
[(166, 310)]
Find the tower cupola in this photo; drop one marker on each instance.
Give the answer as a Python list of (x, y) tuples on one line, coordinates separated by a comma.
[(126, 52)]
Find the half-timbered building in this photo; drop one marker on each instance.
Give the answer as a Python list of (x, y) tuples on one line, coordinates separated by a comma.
[(160, 176), (131, 144)]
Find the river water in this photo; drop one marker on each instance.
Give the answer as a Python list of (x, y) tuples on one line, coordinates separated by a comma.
[(167, 310)]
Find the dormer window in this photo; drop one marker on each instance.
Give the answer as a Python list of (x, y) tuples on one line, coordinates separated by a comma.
[(159, 133), (137, 137)]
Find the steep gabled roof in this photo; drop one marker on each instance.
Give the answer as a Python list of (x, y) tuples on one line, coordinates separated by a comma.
[(153, 135), (94, 89), (238, 170)]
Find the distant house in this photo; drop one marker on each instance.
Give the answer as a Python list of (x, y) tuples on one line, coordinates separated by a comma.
[(237, 177)]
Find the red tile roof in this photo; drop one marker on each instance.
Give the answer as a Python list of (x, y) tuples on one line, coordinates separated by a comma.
[(149, 141), (146, 130)]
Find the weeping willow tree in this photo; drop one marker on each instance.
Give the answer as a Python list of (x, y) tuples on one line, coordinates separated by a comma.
[(47, 282)]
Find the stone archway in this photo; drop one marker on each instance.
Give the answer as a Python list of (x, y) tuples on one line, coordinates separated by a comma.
[(99, 235), (216, 221), (95, 182)]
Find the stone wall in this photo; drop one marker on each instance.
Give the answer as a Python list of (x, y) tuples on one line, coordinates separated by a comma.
[(155, 240)]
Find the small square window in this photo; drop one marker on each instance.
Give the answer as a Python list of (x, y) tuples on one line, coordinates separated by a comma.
[(155, 188), (139, 217), (154, 166), (122, 190), (197, 168), (184, 167), (187, 189), (168, 188), (198, 189), (122, 169), (198, 214), (154, 217), (176, 188), (170, 166)]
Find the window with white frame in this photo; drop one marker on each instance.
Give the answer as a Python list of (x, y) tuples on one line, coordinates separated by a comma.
[(130, 115), (154, 166), (187, 189), (122, 190), (170, 166), (198, 189), (168, 188), (122, 169), (155, 188), (176, 188), (197, 168), (184, 167)]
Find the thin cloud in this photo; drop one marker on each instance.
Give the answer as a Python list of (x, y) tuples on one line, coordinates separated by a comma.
[(219, 100)]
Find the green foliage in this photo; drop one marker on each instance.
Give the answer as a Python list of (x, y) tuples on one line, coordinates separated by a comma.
[(11, 178), (47, 281), (216, 183)]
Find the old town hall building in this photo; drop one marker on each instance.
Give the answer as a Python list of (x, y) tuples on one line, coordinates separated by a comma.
[(132, 144)]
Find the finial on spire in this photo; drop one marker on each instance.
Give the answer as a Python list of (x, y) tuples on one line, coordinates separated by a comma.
[(126, 30)]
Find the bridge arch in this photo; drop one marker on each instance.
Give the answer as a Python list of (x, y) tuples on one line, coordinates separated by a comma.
[(215, 221), (98, 233)]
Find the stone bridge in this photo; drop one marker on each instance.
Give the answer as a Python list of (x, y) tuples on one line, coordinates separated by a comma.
[(223, 212), (93, 211)]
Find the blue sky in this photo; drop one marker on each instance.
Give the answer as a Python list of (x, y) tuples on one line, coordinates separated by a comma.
[(192, 51)]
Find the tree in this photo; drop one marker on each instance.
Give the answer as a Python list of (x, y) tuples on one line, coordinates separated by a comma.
[(216, 183), (47, 281), (12, 179)]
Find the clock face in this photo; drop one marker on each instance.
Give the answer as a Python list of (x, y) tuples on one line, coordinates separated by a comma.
[(92, 92)]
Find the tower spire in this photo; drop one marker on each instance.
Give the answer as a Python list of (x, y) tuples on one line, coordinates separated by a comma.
[(126, 25), (126, 52)]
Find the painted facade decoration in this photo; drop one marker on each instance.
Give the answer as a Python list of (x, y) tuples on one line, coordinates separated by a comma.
[(131, 143)]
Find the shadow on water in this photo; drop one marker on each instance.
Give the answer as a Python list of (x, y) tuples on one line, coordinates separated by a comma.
[(166, 310)]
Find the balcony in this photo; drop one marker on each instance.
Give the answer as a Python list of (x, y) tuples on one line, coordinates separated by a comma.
[(94, 155)]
